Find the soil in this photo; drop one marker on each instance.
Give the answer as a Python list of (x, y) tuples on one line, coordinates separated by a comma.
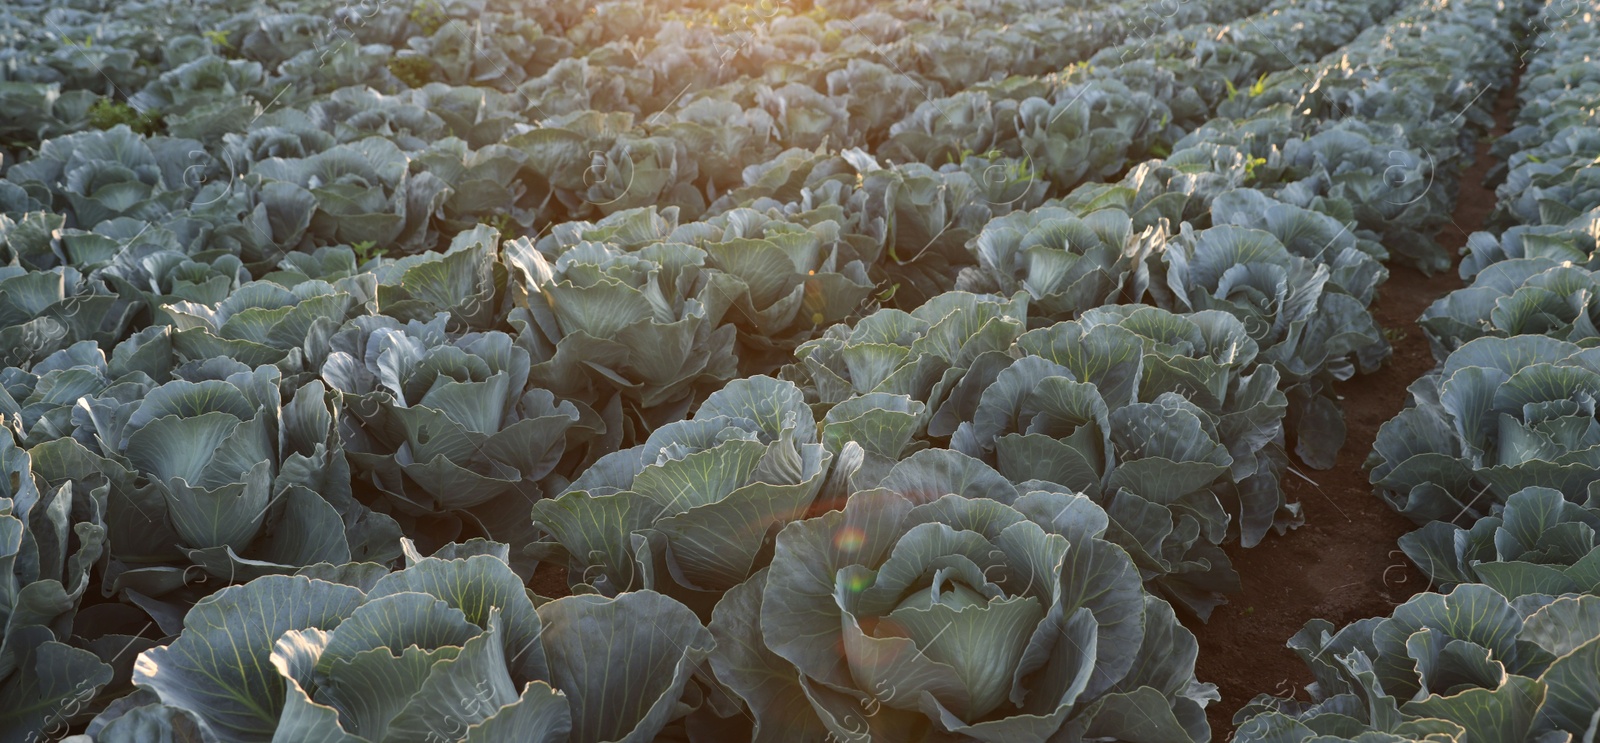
[(1343, 565), (550, 581)]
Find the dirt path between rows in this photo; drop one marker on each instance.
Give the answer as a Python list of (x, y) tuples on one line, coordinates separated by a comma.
[(1343, 565)]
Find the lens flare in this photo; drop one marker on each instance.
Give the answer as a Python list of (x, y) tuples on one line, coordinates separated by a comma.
[(850, 539)]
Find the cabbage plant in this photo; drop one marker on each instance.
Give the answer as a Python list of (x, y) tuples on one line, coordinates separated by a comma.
[(1313, 331), (450, 648), (1539, 543), (1388, 183), (917, 217), (1467, 665), (264, 322), (353, 114), (641, 330), (795, 279), (95, 176), (1089, 130), (723, 137), (1499, 415), (782, 279), (215, 469), (1521, 296), (1557, 243), (50, 540), (1353, 260), (439, 422), (42, 312), (1068, 263), (37, 110), (490, 182), (28, 235), (1079, 410), (895, 362), (700, 496), (463, 280), (915, 353), (204, 98), (1208, 359), (364, 191), (1555, 184), (38, 401), (948, 603), (930, 215), (154, 274)]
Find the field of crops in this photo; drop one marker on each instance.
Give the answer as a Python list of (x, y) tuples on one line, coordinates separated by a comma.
[(829, 371)]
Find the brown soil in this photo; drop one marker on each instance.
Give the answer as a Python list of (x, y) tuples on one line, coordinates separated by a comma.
[(1343, 565), (550, 581)]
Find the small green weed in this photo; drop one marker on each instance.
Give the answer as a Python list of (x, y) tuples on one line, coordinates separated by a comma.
[(429, 16), (220, 38), (107, 114), (366, 250), (413, 71), (1250, 167), (501, 222)]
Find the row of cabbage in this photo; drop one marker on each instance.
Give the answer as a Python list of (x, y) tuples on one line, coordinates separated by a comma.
[(850, 78), (1370, 176), (279, 169), (1530, 290), (1087, 122), (1492, 459), (958, 162), (619, 46), (758, 61)]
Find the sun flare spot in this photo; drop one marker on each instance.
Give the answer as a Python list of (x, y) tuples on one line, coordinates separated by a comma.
[(850, 539)]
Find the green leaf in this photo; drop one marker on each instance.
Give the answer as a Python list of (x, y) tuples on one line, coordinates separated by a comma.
[(1503, 715), (476, 586), (1573, 700), (623, 663), (219, 666), (53, 684), (459, 692), (767, 683), (983, 643)]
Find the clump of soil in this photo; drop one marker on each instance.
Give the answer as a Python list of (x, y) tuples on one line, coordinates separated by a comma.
[(1344, 564)]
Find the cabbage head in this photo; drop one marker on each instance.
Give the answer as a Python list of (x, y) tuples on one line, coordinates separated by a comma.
[(1467, 665), (1520, 296), (443, 423), (215, 469), (1538, 543), (1499, 415), (700, 496), (450, 648), (946, 605)]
